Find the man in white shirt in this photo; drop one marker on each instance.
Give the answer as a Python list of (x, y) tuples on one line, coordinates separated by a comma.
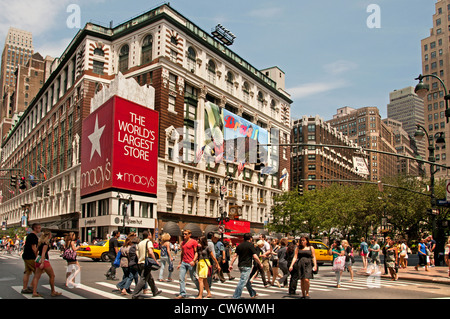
[(145, 249), (265, 258)]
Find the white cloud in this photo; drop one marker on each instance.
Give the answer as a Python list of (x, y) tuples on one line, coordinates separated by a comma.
[(309, 89), (339, 67), (36, 16), (53, 49)]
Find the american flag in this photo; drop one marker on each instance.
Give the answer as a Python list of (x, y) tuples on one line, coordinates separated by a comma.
[(200, 154), (240, 167), (283, 177)]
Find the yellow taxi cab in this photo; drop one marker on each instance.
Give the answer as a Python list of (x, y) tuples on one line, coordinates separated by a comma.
[(99, 251), (321, 252)]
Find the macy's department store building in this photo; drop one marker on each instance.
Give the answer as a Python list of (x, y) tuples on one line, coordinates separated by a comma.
[(119, 158)]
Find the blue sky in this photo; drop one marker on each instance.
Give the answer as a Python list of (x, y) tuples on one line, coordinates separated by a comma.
[(329, 54)]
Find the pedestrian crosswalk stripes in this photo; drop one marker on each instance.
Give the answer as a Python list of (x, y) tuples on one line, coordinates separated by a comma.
[(108, 290)]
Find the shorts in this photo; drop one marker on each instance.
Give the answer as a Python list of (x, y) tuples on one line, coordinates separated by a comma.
[(46, 264), (266, 265), (364, 254), (30, 266)]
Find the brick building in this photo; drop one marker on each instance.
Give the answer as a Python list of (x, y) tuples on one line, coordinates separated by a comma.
[(191, 72)]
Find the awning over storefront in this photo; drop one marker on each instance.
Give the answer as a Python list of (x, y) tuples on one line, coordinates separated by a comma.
[(211, 228), (171, 228), (195, 229)]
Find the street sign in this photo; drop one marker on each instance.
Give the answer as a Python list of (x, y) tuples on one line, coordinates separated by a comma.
[(360, 165), (442, 202)]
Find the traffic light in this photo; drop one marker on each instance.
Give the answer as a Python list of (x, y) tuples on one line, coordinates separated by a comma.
[(47, 191), (300, 189), (22, 183), (13, 182), (260, 158)]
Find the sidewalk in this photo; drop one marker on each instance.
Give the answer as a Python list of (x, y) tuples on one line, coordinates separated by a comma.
[(437, 274)]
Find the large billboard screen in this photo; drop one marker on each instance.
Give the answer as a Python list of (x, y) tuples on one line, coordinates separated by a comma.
[(232, 138), (120, 148)]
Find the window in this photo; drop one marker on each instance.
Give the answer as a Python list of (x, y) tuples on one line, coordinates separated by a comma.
[(173, 55), (123, 58), (98, 67), (146, 210), (172, 103), (229, 79), (246, 92), (191, 59), (169, 206), (211, 71), (98, 51), (147, 46)]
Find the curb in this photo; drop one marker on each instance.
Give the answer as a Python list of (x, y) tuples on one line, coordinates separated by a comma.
[(405, 276)]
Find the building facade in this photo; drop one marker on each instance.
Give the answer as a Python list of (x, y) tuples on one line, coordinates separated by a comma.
[(436, 61), (406, 107), (313, 167), (17, 51), (364, 127), (191, 73)]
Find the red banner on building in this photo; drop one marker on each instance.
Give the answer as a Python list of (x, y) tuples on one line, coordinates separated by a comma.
[(119, 148), (237, 227)]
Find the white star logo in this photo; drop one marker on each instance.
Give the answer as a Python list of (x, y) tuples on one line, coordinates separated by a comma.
[(95, 139), (119, 176)]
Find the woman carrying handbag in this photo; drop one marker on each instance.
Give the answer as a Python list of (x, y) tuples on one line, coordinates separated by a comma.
[(338, 254)]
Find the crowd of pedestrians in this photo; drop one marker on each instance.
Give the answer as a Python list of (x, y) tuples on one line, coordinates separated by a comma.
[(208, 259)]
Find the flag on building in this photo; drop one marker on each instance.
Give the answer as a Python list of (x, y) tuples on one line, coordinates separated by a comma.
[(240, 167), (200, 154), (283, 177)]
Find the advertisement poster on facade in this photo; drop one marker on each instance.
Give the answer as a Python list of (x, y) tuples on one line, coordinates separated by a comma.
[(232, 138), (120, 148)]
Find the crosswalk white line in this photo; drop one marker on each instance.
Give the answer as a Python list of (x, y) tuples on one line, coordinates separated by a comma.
[(219, 289), (65, 293), (28, 296), (108, 285), (100, 292)]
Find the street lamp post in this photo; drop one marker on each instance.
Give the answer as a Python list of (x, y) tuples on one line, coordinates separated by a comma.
[(222, 214), (439, 137), (422, 89), (124, 208)]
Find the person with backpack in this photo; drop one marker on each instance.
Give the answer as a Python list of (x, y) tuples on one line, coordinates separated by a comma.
[(144, 250)]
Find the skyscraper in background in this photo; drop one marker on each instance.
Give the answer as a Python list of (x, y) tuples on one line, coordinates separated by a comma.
[(436, 61), (406, 107), (17, 51)]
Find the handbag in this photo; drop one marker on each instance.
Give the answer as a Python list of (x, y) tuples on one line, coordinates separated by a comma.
[(339, 263), (116, 262), (149, 261), (69, 254)]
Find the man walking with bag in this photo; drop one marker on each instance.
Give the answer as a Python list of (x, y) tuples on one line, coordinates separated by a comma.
[(112, 253), (246, 252), (145, 250)]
